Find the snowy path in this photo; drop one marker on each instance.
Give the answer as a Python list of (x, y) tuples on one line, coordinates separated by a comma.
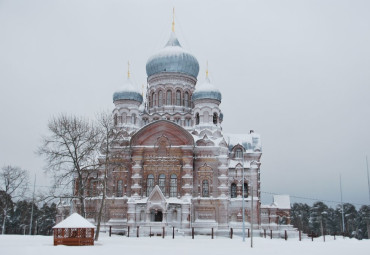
[(41, 245)]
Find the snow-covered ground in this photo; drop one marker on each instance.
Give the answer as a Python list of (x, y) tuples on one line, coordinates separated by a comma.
[(41, 245)]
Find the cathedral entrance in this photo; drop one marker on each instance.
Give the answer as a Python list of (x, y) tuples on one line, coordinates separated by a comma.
[(156, 216)]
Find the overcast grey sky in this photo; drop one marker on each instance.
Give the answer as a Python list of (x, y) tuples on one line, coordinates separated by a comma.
[(297, 72)]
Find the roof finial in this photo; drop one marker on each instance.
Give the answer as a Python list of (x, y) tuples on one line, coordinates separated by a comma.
[(173, 19), (207, 70), (128, 69)]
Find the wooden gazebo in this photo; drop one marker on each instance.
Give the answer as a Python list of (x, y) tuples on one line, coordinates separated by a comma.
[(74, 230)]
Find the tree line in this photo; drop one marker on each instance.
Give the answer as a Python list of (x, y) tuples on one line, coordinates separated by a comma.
[(18, 217), (320, 219)]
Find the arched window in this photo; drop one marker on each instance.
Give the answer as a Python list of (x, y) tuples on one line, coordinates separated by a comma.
[(115, 119), (162, 183), (174, 215), (160, 98), (120, 188), (238, 153), (142, 215), (197, 119), (149, 184), (133, 118), (178, 97), (92, 188), (186, 99), (215, 118), (187, 122), (245, 190), (154, 99), (173, 185), (169, 97), (205, 188), (124, 116), (233, 190)]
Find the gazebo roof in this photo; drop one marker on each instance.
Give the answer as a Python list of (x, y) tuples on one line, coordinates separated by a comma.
[(74, 221)]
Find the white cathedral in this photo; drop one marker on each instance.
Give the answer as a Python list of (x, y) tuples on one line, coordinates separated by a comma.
[(174, 166)]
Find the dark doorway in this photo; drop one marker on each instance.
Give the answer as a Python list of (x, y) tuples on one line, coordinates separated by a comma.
[(158, 216)]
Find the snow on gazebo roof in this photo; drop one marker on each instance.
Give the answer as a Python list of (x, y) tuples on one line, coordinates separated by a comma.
[(74, 221)]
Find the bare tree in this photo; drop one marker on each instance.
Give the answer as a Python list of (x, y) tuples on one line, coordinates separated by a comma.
[(71, 151), (13, 184), (109, 136)]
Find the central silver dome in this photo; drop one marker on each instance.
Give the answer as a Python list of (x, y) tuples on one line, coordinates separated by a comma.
[(173, 59)]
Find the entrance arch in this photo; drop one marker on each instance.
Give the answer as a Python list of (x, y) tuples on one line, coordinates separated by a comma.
[(156, 216)]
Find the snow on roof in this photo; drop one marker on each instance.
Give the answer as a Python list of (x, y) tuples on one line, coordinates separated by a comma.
[(128, 86), (74, 221), (233, 163), (282, 201), (250, 141)]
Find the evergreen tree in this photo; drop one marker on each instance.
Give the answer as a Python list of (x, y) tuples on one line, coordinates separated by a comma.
[(318, 217), (46, 219), (299, 215), (363, 222), (333, 226), (350, 215)]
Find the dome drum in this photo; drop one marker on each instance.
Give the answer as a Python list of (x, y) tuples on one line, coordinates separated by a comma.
[(216, 95), (127, 95)]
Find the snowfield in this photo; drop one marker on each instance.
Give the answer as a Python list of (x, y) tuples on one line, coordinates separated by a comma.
[(43, 245)]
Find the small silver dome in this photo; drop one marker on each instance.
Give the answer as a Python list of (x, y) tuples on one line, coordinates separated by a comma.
[(128, 92), (173, 59), (206, 90)]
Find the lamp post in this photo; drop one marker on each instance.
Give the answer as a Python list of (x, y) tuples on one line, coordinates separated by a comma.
[(243, 206), (252, 216)]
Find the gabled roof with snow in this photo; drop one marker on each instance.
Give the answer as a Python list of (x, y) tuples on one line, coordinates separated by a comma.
[(251, 142), (74, 221), (282, 201)]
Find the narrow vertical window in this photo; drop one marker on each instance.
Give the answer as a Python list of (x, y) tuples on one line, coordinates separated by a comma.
[(238, 153), (154, 99), (245, 190), (115, 119), (149, 184), (215, 118), (162, 183), (169, 97), (178, 97), (173, 185), (120, 188), (197, 119), (205, 188), (186, 99), (160, 98), (233, 190), (187, 122), (133, 118)]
